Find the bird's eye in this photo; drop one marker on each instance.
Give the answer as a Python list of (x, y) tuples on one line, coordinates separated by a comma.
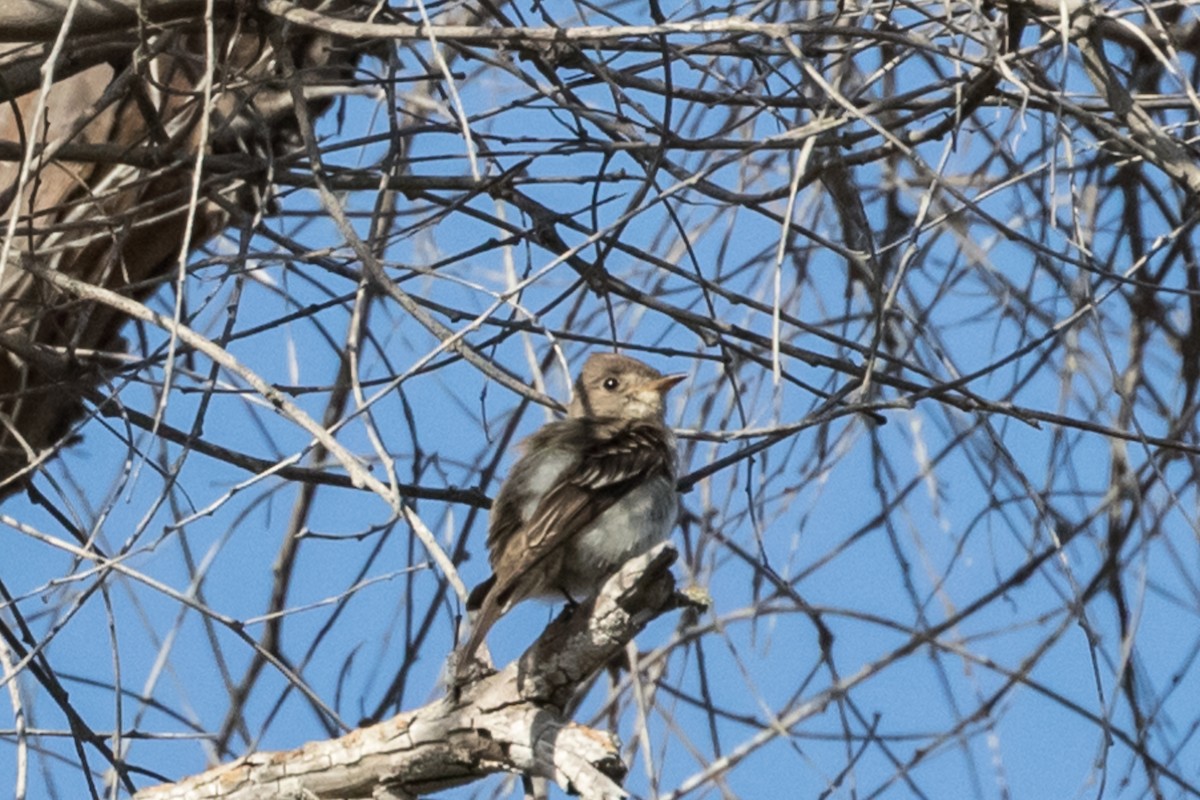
[(611, 384)]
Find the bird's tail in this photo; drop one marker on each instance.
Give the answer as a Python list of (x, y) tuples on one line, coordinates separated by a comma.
[(485, 607)]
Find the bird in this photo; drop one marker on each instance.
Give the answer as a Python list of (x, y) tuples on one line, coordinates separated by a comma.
[(589, 492)]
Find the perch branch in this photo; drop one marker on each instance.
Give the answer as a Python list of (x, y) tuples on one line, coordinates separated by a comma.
[(511, 720)]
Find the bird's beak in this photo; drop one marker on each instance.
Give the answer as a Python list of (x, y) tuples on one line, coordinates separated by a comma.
[(663, 385)]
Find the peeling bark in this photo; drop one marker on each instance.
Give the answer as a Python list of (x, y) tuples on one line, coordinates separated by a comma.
[(512, 720)]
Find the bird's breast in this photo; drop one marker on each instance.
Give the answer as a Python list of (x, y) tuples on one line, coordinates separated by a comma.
[(635, 523)]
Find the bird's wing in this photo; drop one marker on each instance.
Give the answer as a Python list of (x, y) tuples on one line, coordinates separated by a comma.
[(617, 456)]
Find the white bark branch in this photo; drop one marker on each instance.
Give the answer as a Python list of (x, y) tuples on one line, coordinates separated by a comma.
[(511, 720), (35, 20)]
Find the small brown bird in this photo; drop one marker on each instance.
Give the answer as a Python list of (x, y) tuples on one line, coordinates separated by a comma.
[(590, 492)]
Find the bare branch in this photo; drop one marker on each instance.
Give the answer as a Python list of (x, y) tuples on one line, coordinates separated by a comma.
[(511, 720)]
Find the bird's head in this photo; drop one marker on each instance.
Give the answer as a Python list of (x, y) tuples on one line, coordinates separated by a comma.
[(612, 385)]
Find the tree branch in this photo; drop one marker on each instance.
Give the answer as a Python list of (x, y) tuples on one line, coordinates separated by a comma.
[(512, 720)]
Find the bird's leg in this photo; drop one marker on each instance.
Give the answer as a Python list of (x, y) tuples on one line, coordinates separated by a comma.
[(569, 606)]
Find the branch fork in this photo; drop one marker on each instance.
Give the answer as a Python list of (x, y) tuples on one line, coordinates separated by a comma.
[(511, 720)]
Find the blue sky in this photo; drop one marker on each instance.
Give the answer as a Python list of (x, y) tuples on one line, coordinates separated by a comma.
[(882, 528)]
